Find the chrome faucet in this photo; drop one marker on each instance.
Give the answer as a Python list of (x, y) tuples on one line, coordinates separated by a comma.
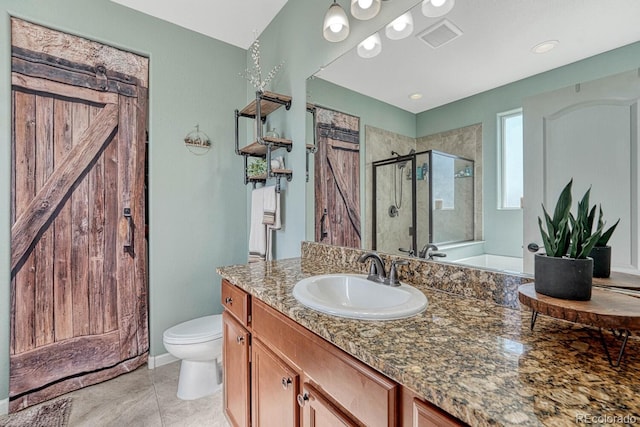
[(377, 271), (429, 251)]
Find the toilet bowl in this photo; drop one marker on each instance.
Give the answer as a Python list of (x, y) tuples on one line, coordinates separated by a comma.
[(198, 343)]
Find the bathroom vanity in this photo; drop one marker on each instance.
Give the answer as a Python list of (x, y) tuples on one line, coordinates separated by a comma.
[(462, 361), (280, 373)]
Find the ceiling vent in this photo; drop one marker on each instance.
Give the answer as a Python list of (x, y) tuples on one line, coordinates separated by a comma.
[(440, 34)]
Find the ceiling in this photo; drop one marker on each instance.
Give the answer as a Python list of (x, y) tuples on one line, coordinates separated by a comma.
[(233, 21), (494, 49)]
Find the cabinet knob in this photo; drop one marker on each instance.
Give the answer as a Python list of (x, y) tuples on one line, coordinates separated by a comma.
[(240, 339), (228, 300), (286, 382), (302, 399)]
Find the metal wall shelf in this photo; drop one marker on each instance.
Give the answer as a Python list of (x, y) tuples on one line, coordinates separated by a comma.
[(264, 104)]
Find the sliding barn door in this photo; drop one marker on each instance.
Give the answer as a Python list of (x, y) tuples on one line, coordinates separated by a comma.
[(337, 179), (78, 248)]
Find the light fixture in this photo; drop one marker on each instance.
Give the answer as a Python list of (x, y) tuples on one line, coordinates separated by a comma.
[(365, 9), (437, 8), (415, 96), (336, 24), (400, 27), (545, 46), (370, 47)]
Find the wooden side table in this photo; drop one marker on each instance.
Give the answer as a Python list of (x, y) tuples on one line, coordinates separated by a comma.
[(606, 309)]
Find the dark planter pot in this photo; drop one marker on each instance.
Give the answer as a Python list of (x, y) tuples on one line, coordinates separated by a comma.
[(601, 261), (564, 278)]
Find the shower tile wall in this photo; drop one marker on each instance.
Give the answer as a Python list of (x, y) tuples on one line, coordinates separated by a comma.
[(465, 142), (378, 145)]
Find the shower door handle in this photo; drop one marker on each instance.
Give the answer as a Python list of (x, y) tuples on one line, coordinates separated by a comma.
[(323, 229)]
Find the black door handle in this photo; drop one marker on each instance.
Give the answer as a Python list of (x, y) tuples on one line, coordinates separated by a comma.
[(323, 230)]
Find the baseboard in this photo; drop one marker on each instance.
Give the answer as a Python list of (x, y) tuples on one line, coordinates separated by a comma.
[(160, 360), (4, 406)]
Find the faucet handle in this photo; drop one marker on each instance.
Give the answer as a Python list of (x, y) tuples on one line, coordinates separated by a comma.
[(393, 272), (409, 251)]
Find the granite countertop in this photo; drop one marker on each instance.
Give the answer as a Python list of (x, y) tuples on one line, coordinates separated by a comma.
[(477, 360)]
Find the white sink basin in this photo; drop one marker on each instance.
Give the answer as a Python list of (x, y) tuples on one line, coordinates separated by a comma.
[(353, 296)]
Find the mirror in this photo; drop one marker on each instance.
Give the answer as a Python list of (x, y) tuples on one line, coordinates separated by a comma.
[(385, 127)]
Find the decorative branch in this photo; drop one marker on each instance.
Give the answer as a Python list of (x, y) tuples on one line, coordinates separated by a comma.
[(254, 74)]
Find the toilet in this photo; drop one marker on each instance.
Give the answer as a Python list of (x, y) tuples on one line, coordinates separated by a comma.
[(198, 343)]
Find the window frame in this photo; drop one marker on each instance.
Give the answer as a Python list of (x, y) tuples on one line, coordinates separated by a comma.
[(501, 118)]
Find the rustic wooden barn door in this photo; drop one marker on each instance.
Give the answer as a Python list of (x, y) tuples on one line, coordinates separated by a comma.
[(337, 179), (78, 249)]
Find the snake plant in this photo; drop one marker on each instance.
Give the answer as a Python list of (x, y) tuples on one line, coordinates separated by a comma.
[(567, 235)]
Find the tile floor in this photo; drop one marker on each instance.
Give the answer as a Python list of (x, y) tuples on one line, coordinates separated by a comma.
[(144, 397)]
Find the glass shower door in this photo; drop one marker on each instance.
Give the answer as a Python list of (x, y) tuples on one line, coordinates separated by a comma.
[(452, 204), (393, 212)]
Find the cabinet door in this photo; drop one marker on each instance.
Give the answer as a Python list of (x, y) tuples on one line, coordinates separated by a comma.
[(274, 390), (236, 371), (319, 411), (425, 415)]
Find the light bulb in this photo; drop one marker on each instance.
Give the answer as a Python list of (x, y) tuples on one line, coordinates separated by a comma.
[(399, 24), (365, 9), (437, 8), (400, 27), (335, 27), (370, 47), (369, 43)]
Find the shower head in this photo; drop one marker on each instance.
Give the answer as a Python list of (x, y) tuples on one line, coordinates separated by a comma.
[(401, 165)]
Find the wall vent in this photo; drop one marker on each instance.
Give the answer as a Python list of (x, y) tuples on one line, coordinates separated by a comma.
[(440, 34)]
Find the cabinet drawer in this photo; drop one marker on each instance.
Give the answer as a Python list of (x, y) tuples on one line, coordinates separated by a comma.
[(366, 394), (236, 302)]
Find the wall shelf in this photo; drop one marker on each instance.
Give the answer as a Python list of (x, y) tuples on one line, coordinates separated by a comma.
[(265, 104), (263, 146), (256, 149)]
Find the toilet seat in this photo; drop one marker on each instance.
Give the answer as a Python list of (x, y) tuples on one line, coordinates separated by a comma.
[(195, 331)]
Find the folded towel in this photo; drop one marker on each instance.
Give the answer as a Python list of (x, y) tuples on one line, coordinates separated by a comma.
[(257, 230), (269, 206), (271, 217)]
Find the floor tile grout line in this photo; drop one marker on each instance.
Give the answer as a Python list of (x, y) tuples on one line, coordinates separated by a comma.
[(155, 392)]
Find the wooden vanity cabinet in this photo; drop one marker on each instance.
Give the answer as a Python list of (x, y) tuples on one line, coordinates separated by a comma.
[(275, 388), (319, 410), (278, 373), (236, 373), (363, 394), (417, 412)]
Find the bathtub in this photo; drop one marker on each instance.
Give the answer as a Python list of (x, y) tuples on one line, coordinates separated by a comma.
[(493, 262)]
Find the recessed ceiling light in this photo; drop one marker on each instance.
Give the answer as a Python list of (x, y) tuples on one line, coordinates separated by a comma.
[(415, 96), (544, 47)]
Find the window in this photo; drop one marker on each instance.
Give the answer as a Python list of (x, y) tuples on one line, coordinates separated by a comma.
[(510, 161)]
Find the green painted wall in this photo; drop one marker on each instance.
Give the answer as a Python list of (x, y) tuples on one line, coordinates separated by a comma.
[(503, 228), (194, 200)]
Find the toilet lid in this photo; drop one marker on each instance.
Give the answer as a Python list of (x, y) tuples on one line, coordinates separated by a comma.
[(195, 331)]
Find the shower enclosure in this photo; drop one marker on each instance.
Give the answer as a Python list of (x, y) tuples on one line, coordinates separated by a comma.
[(420, 198)]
